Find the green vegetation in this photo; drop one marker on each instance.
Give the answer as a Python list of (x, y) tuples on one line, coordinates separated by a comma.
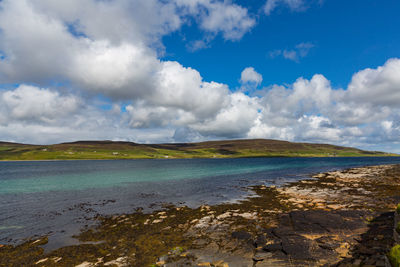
[(398, 209), (213, 149), (394, 256)]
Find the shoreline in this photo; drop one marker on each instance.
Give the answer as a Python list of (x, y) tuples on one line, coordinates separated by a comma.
[(216, 158), (277, 226)]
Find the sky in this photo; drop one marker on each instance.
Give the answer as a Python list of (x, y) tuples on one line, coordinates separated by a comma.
[(156, 71)]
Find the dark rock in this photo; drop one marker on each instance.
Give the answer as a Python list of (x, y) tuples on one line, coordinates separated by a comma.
[(297, 247), (380, 263), (366, 251), (272, 247), (369, 262), (260, 256), (200, 242), (323, 240), (327, 243), (279, 254), (281, 232), (260, 241), (315, 221), (319, 221), (330, 246), (242, 235)]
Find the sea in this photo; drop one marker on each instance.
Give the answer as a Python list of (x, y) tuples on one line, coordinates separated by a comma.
[(59, 198)]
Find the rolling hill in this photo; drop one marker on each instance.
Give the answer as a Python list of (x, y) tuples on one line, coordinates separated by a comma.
[(211, 149)]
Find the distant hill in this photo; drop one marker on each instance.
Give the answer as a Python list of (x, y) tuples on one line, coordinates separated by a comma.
[(211, 149)]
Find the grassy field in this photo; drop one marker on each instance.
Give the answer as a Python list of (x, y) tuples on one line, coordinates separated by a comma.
[(212, 149)]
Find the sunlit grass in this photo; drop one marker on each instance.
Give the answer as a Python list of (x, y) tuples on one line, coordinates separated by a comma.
[(225, 149), (394, 256)]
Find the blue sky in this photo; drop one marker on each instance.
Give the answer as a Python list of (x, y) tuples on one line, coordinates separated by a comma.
[(347, 36), (153, 71)]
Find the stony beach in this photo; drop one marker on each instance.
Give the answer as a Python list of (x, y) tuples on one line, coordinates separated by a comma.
[(339, 218)]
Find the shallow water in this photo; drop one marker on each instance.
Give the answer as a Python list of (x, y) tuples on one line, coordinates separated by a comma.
[(59, 197)]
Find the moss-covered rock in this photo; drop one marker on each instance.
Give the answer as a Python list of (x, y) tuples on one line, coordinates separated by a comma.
[(394, 256), (24, 254)]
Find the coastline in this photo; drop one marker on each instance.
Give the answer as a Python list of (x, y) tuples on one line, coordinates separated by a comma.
[(316, 221), (224, 157), (241, 148)]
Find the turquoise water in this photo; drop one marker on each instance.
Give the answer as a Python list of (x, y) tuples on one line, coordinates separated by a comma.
[(116, 173), (59, 197), (34, 177)]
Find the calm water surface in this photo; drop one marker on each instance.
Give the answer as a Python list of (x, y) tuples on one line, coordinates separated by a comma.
[(59, 197)]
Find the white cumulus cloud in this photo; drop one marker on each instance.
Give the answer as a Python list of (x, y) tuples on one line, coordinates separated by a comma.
[(249, 75), (93, 70), (32, 104)]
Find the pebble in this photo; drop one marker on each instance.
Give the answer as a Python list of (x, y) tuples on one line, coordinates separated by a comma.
[(207, 264), (42, 260)]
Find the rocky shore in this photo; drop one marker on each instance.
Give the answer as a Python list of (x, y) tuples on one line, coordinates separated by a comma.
[(340, 218)]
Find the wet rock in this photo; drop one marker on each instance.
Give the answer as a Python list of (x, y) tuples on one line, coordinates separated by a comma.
[(329, 246), (200, 242), (260, 256), (365, 250), (220, 263), (380, 263), (242, 235), (260, 241), (315, 221), (297, 247), (327, 243), (272, 247)]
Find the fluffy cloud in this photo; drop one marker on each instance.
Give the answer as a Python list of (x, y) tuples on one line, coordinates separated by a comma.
[(311, 110), (307, 110), (233, 121), (38, 105), (41, 115), (184, 88), (119, 71), (249, 75), (97, 74), (232, 20), (379, 87), (117, 62)]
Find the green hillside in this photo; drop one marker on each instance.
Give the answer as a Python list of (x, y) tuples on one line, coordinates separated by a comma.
[(212, 149)]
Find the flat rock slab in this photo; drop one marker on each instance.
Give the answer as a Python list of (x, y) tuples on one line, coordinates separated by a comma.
[(312, 237), (320, 221)]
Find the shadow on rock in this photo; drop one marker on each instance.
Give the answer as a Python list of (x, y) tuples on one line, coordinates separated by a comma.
[(373, 245)]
